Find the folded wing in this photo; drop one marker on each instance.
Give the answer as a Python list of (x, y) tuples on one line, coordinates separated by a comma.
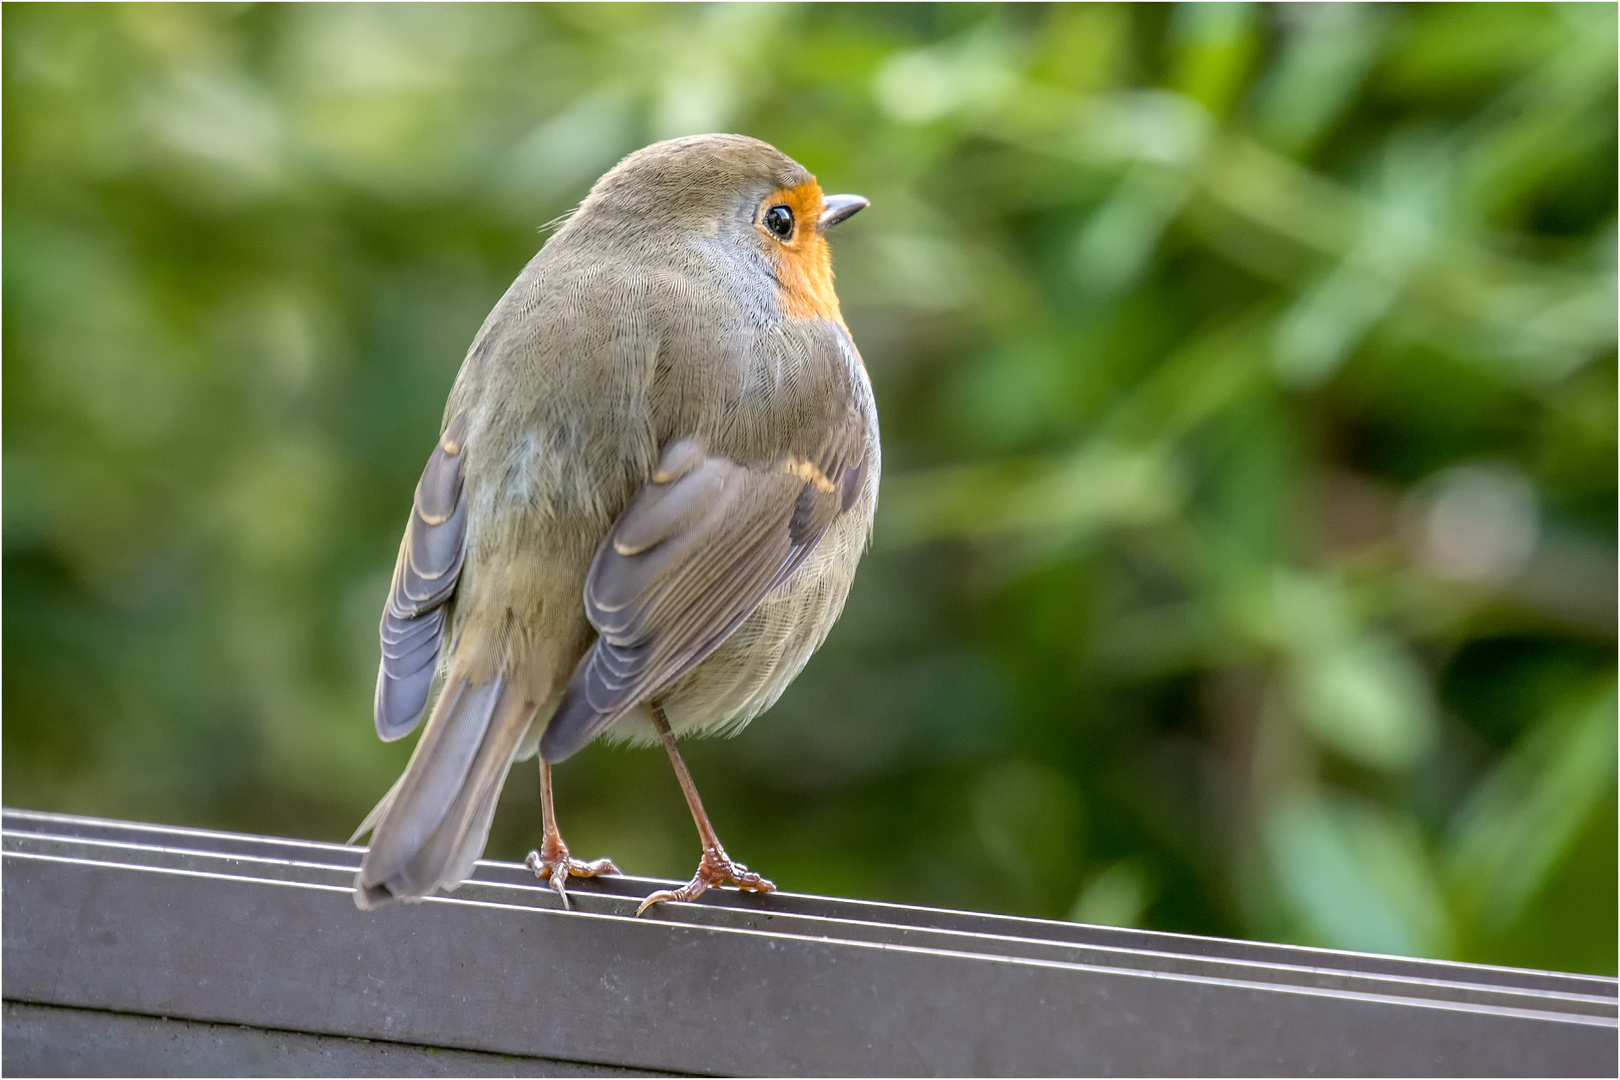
[(425, 576), (690, 558)]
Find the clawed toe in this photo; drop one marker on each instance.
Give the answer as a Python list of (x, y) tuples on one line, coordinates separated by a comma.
[(659, 897), (716, 868), (556, 866)]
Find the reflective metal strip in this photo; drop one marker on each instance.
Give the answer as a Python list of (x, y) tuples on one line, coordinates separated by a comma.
[(227, 929)]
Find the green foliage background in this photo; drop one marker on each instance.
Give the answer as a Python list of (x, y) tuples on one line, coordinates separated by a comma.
[(1246, 555)]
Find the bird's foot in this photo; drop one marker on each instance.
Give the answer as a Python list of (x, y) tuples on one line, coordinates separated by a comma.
[(553, 863), (716, 868)]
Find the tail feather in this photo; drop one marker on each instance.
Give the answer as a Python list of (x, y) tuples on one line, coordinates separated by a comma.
[(376, 813), (431, 827)]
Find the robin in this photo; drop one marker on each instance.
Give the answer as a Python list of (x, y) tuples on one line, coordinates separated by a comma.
[(656, 474)]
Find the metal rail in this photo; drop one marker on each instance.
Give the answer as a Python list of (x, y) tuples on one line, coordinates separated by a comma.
[(255, 944)]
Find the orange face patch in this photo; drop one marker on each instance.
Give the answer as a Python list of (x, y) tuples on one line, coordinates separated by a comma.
[(803, 261)]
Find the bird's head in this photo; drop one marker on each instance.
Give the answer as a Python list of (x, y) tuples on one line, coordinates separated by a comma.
[(742, 192)]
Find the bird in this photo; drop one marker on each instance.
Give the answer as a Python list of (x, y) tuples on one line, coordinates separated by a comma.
[(655, 476)]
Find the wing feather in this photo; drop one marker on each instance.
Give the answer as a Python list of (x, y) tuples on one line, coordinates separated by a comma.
[(425, 577)]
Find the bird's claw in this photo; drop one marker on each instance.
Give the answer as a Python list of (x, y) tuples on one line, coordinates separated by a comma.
[(716, 868), (553, 864)]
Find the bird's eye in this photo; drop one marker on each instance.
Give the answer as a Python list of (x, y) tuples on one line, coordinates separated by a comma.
[(779, 219)]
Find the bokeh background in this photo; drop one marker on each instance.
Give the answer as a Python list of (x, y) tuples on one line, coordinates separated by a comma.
[(1245, 562)]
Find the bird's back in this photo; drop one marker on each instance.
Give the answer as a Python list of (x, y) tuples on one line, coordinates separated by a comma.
[(582, 373)]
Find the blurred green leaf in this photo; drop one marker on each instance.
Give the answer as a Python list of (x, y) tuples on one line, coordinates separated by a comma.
[(1118, 896), (1355, 878), (1520, 823)]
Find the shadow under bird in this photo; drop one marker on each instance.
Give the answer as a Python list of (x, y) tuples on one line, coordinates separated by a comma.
[(656, 474)]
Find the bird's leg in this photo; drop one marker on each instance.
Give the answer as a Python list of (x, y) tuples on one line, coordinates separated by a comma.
[(716, 867), (552, 862)]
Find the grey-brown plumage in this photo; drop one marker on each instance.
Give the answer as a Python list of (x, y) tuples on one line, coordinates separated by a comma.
[(657, 473)]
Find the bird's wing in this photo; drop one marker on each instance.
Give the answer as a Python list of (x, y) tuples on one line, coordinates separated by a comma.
[(425, 576), (695, 552)]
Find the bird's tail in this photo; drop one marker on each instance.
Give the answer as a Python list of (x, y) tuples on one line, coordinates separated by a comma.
[(430, 828)]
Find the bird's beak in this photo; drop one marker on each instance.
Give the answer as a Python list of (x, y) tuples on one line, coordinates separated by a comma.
[(838, 207)]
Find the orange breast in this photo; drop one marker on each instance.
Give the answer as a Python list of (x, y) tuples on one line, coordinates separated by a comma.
[(804, 263)]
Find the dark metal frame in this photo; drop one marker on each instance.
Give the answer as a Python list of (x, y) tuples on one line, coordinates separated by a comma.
[(262, 934)]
